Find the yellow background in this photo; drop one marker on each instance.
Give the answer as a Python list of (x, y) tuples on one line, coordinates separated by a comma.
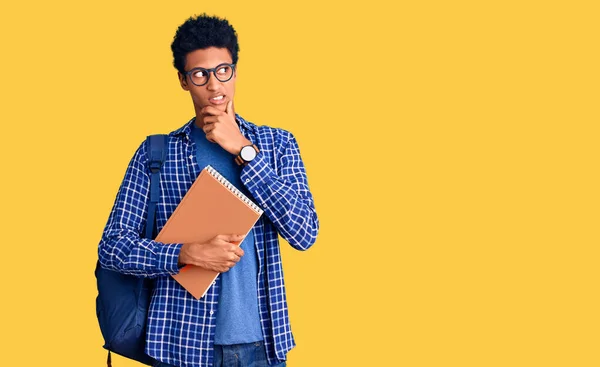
[(451, 147)]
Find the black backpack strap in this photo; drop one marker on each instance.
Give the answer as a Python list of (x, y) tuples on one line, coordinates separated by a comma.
[(156, 147)]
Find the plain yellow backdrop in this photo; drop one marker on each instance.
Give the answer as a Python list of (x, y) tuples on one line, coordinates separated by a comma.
[(451, 147)]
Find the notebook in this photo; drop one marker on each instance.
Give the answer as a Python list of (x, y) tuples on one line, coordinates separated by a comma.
[(211, 206)]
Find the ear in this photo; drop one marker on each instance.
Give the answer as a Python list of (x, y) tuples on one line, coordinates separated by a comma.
[(182, 81)]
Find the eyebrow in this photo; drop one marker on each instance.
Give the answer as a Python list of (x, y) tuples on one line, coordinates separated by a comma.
[(219, 64)]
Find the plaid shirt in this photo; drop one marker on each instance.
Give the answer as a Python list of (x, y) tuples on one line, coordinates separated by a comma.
[(180, 328)]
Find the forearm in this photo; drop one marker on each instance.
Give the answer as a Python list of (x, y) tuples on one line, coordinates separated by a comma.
[(294, 217), (127, 253), (121, 248), (285, 197)]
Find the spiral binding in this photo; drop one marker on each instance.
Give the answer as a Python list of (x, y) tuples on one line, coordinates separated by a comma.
[(233, 189)]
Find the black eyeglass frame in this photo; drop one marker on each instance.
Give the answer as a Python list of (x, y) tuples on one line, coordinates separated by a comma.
[(209, 72)]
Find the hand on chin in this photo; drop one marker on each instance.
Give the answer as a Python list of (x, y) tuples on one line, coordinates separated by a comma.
[(220, 107)]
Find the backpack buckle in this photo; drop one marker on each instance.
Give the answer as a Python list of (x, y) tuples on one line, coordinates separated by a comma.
[(155, 166)]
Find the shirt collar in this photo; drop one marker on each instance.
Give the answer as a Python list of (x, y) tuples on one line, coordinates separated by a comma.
[(186, 129)]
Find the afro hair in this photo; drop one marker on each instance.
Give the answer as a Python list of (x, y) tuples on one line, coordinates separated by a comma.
[(200, 32)]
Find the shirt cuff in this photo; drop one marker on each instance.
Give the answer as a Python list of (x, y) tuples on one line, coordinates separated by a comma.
[(257, 173), (168, 256)]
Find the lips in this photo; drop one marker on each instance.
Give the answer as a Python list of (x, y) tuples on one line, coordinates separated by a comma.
[(217, 100)]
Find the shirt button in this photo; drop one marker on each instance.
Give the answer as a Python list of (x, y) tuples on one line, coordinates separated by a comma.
[(191, 157), (212, 312), (247, 180)]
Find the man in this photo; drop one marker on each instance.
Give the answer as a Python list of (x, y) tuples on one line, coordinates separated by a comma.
[(243, 318)]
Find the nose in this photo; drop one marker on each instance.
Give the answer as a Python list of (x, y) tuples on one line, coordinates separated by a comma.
[(213, 82)]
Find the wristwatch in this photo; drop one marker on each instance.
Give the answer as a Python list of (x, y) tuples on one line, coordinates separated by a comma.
[(247, 154)]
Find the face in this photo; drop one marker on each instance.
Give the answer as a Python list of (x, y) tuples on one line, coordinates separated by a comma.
[(205, 95)]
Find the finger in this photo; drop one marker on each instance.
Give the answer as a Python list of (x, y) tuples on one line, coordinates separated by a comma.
[(209, 119), (208, 128), (231, 240), (233, 237), (210, 110), (210, 137), (222, 237), (228, 265), (229, 109), (238, 251), (235, 258)]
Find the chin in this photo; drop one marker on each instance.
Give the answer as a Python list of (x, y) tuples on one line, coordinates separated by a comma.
[(220, 107)]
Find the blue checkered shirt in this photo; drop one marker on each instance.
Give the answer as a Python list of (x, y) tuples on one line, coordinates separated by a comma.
[(180, 328)]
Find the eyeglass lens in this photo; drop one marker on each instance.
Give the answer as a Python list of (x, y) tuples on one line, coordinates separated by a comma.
[(222, 72)]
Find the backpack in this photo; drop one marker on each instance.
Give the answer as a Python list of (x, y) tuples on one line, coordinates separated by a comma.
[(123, 300)]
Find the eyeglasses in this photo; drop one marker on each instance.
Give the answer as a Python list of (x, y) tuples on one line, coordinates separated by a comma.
[(199, 76)]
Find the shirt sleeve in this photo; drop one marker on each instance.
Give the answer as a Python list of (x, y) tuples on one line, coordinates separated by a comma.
[(285, 197), (122, 247)]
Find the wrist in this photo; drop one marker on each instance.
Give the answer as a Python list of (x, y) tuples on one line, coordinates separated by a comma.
[(182, 259), (236, 147), (244, 143)]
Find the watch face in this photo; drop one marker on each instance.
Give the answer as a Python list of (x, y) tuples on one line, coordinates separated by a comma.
[(248, 153)]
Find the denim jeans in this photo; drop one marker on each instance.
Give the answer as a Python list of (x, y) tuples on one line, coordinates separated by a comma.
[(238, 355)]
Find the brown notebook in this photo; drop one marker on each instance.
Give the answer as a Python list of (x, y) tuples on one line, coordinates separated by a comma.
[(211, 206)]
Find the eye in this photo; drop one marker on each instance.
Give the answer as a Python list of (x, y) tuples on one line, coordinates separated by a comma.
[(198, 74), (223, 70)]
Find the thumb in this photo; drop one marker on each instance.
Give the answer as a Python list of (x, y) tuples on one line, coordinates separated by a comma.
[(235, 237)]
